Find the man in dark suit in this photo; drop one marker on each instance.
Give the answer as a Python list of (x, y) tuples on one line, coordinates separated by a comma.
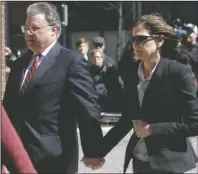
[(49, 89)]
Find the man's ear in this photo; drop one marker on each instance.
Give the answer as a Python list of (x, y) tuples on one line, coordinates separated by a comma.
[(160, 41), (55, 29)]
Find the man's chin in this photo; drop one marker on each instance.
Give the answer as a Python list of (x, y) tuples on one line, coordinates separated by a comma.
[(30, 45)]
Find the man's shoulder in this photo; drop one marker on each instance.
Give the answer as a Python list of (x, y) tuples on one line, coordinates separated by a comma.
[(70, 54), (195, 47)]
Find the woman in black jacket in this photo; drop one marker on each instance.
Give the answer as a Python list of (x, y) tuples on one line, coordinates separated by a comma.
[(160, 103)]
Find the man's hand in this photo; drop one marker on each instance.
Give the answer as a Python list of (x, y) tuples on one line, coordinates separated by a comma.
[(93, 163), (7, 51), (7, 69), (141, 128)]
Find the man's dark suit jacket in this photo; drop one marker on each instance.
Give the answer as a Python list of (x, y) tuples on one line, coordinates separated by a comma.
[(170, 107), (61, 92)]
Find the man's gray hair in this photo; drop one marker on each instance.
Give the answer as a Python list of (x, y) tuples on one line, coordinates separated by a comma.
[(50, 12)]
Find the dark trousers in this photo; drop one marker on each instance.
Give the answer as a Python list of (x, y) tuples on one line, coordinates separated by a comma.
[(141, 167)]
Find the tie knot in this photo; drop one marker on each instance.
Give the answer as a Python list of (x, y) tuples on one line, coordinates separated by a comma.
[(36, 60), (37, 56)]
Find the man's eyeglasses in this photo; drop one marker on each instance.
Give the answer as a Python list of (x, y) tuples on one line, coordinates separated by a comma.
[(32, 30), (140, 38)]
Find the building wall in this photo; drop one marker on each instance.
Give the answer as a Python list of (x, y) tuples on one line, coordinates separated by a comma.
[(2, 18)]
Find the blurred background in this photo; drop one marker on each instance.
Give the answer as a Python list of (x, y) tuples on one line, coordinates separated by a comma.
[(108, 19)]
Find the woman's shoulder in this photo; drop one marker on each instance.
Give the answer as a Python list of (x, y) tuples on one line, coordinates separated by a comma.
[(177, 68)]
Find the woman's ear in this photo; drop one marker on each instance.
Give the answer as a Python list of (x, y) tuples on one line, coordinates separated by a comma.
[(160, 41)]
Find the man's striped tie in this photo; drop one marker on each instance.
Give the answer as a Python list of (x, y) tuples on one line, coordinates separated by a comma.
[(30, 73)]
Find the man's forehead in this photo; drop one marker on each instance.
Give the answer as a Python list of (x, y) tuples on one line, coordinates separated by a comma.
[(37, 19)]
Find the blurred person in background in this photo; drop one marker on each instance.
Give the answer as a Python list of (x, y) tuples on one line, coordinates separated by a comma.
[(189, 41), (193, 33), (106, 80), (184, 56), (82, 46), (190, 44), (99, 43)]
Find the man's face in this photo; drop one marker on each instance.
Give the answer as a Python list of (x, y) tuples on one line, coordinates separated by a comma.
[(38, 33), (97, 59)]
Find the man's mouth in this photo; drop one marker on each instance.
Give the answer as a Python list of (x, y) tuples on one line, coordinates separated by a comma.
[(30, 40), (137, 51)]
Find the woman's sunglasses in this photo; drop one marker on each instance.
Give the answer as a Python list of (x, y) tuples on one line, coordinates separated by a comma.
[(140, 38)]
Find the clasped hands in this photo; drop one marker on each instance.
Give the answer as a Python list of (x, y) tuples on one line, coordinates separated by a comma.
[(141, 128), (93, 163)]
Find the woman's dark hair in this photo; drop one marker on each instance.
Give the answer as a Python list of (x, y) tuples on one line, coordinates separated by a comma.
[(156, 25), (80, 41)]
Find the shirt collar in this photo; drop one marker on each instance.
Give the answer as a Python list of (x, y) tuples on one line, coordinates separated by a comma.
[(46, 51), (141, 74)]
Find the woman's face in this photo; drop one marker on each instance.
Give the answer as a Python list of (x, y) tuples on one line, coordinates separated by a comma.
[(83, 48), (97, 59), (145, 46)]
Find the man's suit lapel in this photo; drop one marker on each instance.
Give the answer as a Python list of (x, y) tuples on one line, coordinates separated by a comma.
[(155, 85), (23, 65), (47, 62)]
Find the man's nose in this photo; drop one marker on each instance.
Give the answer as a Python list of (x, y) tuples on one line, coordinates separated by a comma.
[(28, 33)]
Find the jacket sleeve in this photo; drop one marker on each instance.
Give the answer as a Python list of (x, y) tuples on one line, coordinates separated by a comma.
[(118, 132), (13, 147), (114, 136), (85, 98), (185, 91)]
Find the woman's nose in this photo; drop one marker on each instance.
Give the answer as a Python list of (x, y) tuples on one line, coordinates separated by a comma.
[(136, 45)]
